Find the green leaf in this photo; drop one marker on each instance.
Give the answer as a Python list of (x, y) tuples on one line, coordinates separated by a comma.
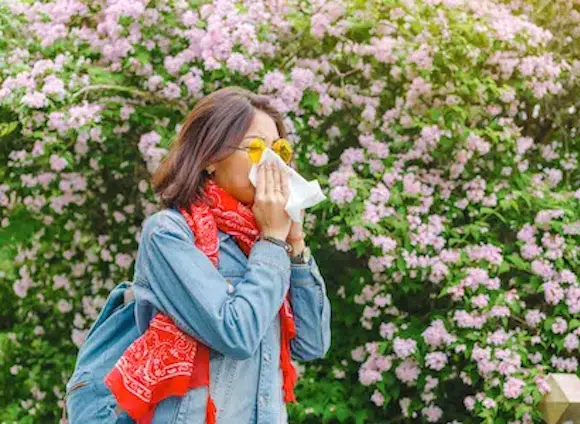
[(548, 324), (342, 413), (503, 268), (401, 264), (435, 114), (311, 100), (361, 416), (101, 76), (7, 128), (518, 262)]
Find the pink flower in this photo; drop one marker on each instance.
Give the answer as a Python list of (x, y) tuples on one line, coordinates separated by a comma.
[(383, 363), (78, 337), (559, 326), (342, 195), (571, 342), (542, 384), (487, 252), (351, 156), (123, 260), (408, 371), (545, 216), (469, 403), (436, 335), (488, 403), (171, 91), (36, 100), (513, 388), (387, 330), (480, 301), (534, 317), (358, 354), (436, 360), (573, 299), (57, 163), (432, 413), (380, 194), (478, 144), (527, 233), (378, 398), (404, 347), (368, 376), (53, 85), (387, 244), (542, 268), (64, 306), (553, 292), (524, 144), (530, 251), (318, 159)]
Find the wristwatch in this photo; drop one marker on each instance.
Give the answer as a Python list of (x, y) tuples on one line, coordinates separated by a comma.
[(302, 258)]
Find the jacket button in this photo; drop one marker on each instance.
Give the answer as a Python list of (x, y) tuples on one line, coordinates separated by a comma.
[(231, 287), (266, 356)]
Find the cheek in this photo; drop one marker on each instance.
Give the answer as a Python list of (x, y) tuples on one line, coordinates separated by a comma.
[(233, 176), (239, 171)]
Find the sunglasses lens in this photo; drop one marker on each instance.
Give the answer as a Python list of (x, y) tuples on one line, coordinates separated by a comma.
[(257, 147), (283, 149)]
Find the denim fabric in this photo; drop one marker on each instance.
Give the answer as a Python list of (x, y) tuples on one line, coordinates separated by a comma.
[(88, 400), (234, 310)]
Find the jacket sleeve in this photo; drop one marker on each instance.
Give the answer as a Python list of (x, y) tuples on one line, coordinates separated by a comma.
[(188, 287), (311, 309)]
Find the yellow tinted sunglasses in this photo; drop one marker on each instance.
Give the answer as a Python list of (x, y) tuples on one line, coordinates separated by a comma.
[(257, 146)]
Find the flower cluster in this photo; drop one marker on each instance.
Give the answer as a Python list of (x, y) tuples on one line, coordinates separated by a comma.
[(444, 131)]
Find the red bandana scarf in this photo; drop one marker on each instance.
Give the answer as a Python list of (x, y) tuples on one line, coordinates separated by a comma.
[(165, 361)]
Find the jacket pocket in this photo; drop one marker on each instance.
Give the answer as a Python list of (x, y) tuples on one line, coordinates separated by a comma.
[(85, 405)]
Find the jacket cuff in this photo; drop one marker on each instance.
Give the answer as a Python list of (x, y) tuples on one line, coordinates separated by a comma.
[(305, 274), (269, 253)]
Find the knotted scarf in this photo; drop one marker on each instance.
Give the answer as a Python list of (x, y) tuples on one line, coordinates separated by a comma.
[(164, 361)]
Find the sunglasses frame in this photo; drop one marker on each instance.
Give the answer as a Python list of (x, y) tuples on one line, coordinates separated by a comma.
[(246, 149)]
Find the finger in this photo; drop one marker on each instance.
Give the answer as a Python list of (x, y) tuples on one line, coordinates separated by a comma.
[(261, 182), (269, 181), (284, 182), (277, 179)]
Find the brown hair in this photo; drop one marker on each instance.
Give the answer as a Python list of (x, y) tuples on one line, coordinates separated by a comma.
[(217, 123)]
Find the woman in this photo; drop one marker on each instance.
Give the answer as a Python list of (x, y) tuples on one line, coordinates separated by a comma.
[(226, 289)]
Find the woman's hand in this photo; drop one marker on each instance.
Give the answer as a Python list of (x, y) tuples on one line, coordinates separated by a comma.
[(296, 231), (296, 236), (272, 192)]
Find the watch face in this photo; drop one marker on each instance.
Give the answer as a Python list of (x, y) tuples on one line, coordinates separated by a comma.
[(307, 254), (302, 258)]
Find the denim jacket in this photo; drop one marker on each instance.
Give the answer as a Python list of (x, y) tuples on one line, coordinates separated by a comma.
[(233, 309)]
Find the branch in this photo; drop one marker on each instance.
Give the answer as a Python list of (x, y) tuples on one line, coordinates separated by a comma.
[(144, 94), (112, 87)]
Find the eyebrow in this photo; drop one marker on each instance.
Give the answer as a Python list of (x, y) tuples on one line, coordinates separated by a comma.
[(262, 137), (257, 135)]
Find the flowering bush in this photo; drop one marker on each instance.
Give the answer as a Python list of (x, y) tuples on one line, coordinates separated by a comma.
[(445, 132)]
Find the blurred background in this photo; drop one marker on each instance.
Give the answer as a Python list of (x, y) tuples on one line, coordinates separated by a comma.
[(444, 132)]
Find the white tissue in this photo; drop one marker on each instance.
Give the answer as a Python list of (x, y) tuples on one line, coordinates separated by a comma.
[(303, 194)]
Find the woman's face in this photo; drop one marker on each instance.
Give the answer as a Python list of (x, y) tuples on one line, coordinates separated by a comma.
[(232, 172)]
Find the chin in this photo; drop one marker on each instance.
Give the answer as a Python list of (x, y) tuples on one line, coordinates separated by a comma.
[(246, 197), (249, 202)]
